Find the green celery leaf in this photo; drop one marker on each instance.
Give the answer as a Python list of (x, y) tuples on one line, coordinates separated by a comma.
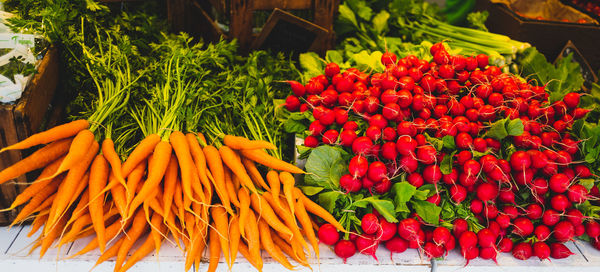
[(311, 64), (498, 130), (384, 207), (514, 127), (380, 22), (327, 200), (446, 164), (310, 190), (428, 211), (449, 143), (325, 166)]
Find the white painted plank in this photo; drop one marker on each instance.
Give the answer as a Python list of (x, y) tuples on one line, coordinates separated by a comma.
[(171, 259), (592, 255), (506, 262), (7, 237)]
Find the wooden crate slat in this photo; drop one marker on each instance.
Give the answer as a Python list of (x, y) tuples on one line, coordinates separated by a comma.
[(282, 4), (241, 22)]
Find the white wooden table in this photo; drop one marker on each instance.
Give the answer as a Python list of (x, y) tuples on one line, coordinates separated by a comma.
[(14, 246)]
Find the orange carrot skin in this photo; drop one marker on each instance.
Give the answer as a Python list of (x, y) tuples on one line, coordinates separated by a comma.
[(232, 160), (53, 233), (214, 250), (215, 164), (254, 173), (38, 222), (108, 150), (38, 185), (253, 236), (133, 180), (317, 210), (237, 142), (170, 183), (200, 161), (234, 239), (267, 160), (98, 178), (54, 134), (267, 213), (138, 227), (37, 200), (275, 185), (38, 159), (243, 248), (69, 185), (145, 249), (219, 215), (111, 231), (304, 219), (267, 243), (77, 151), (111, 252), (230, 189), (288, 187), (244, 209), (189, 173), (156, 171), (140, 153)]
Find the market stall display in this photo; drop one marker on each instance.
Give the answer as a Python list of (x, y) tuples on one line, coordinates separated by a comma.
[(430, 143)]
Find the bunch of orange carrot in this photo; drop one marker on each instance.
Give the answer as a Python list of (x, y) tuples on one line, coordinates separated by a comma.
[(172, 187)]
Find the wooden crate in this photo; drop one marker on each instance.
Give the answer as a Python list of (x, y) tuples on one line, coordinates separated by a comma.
[(21, 119), (193, 16)]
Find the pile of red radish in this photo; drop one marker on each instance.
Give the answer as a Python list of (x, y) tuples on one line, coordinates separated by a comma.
[(528, 201)]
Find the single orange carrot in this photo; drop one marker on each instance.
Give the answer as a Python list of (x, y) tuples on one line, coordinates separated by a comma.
[(111, 252), (78, 150), (52, 235), (138, 227), (234, 238), (36, 186), (37, 200), (133, 180), (189, 173), (98, 178), (215, 164), (267, 243), (254, 173), (230, 189), (111, 231), (233, 161), (38, 159), (287, 249), (111, 156), (69, 185), (267, 160), (253, 236), (156, 171), (145, 249), (54, 134), (244, 209), (38, 222), (243, 248), (140, 153), (214, 247), (198, 244), (219, 215), (237, 142), (290, 221), (289, 183), (317, 210), (305, 221), (275, 185), (170, 182), (267, 213), (200, 161)]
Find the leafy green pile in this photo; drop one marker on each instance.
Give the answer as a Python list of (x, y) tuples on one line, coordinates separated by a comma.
[(378, 25), (231, 94)]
